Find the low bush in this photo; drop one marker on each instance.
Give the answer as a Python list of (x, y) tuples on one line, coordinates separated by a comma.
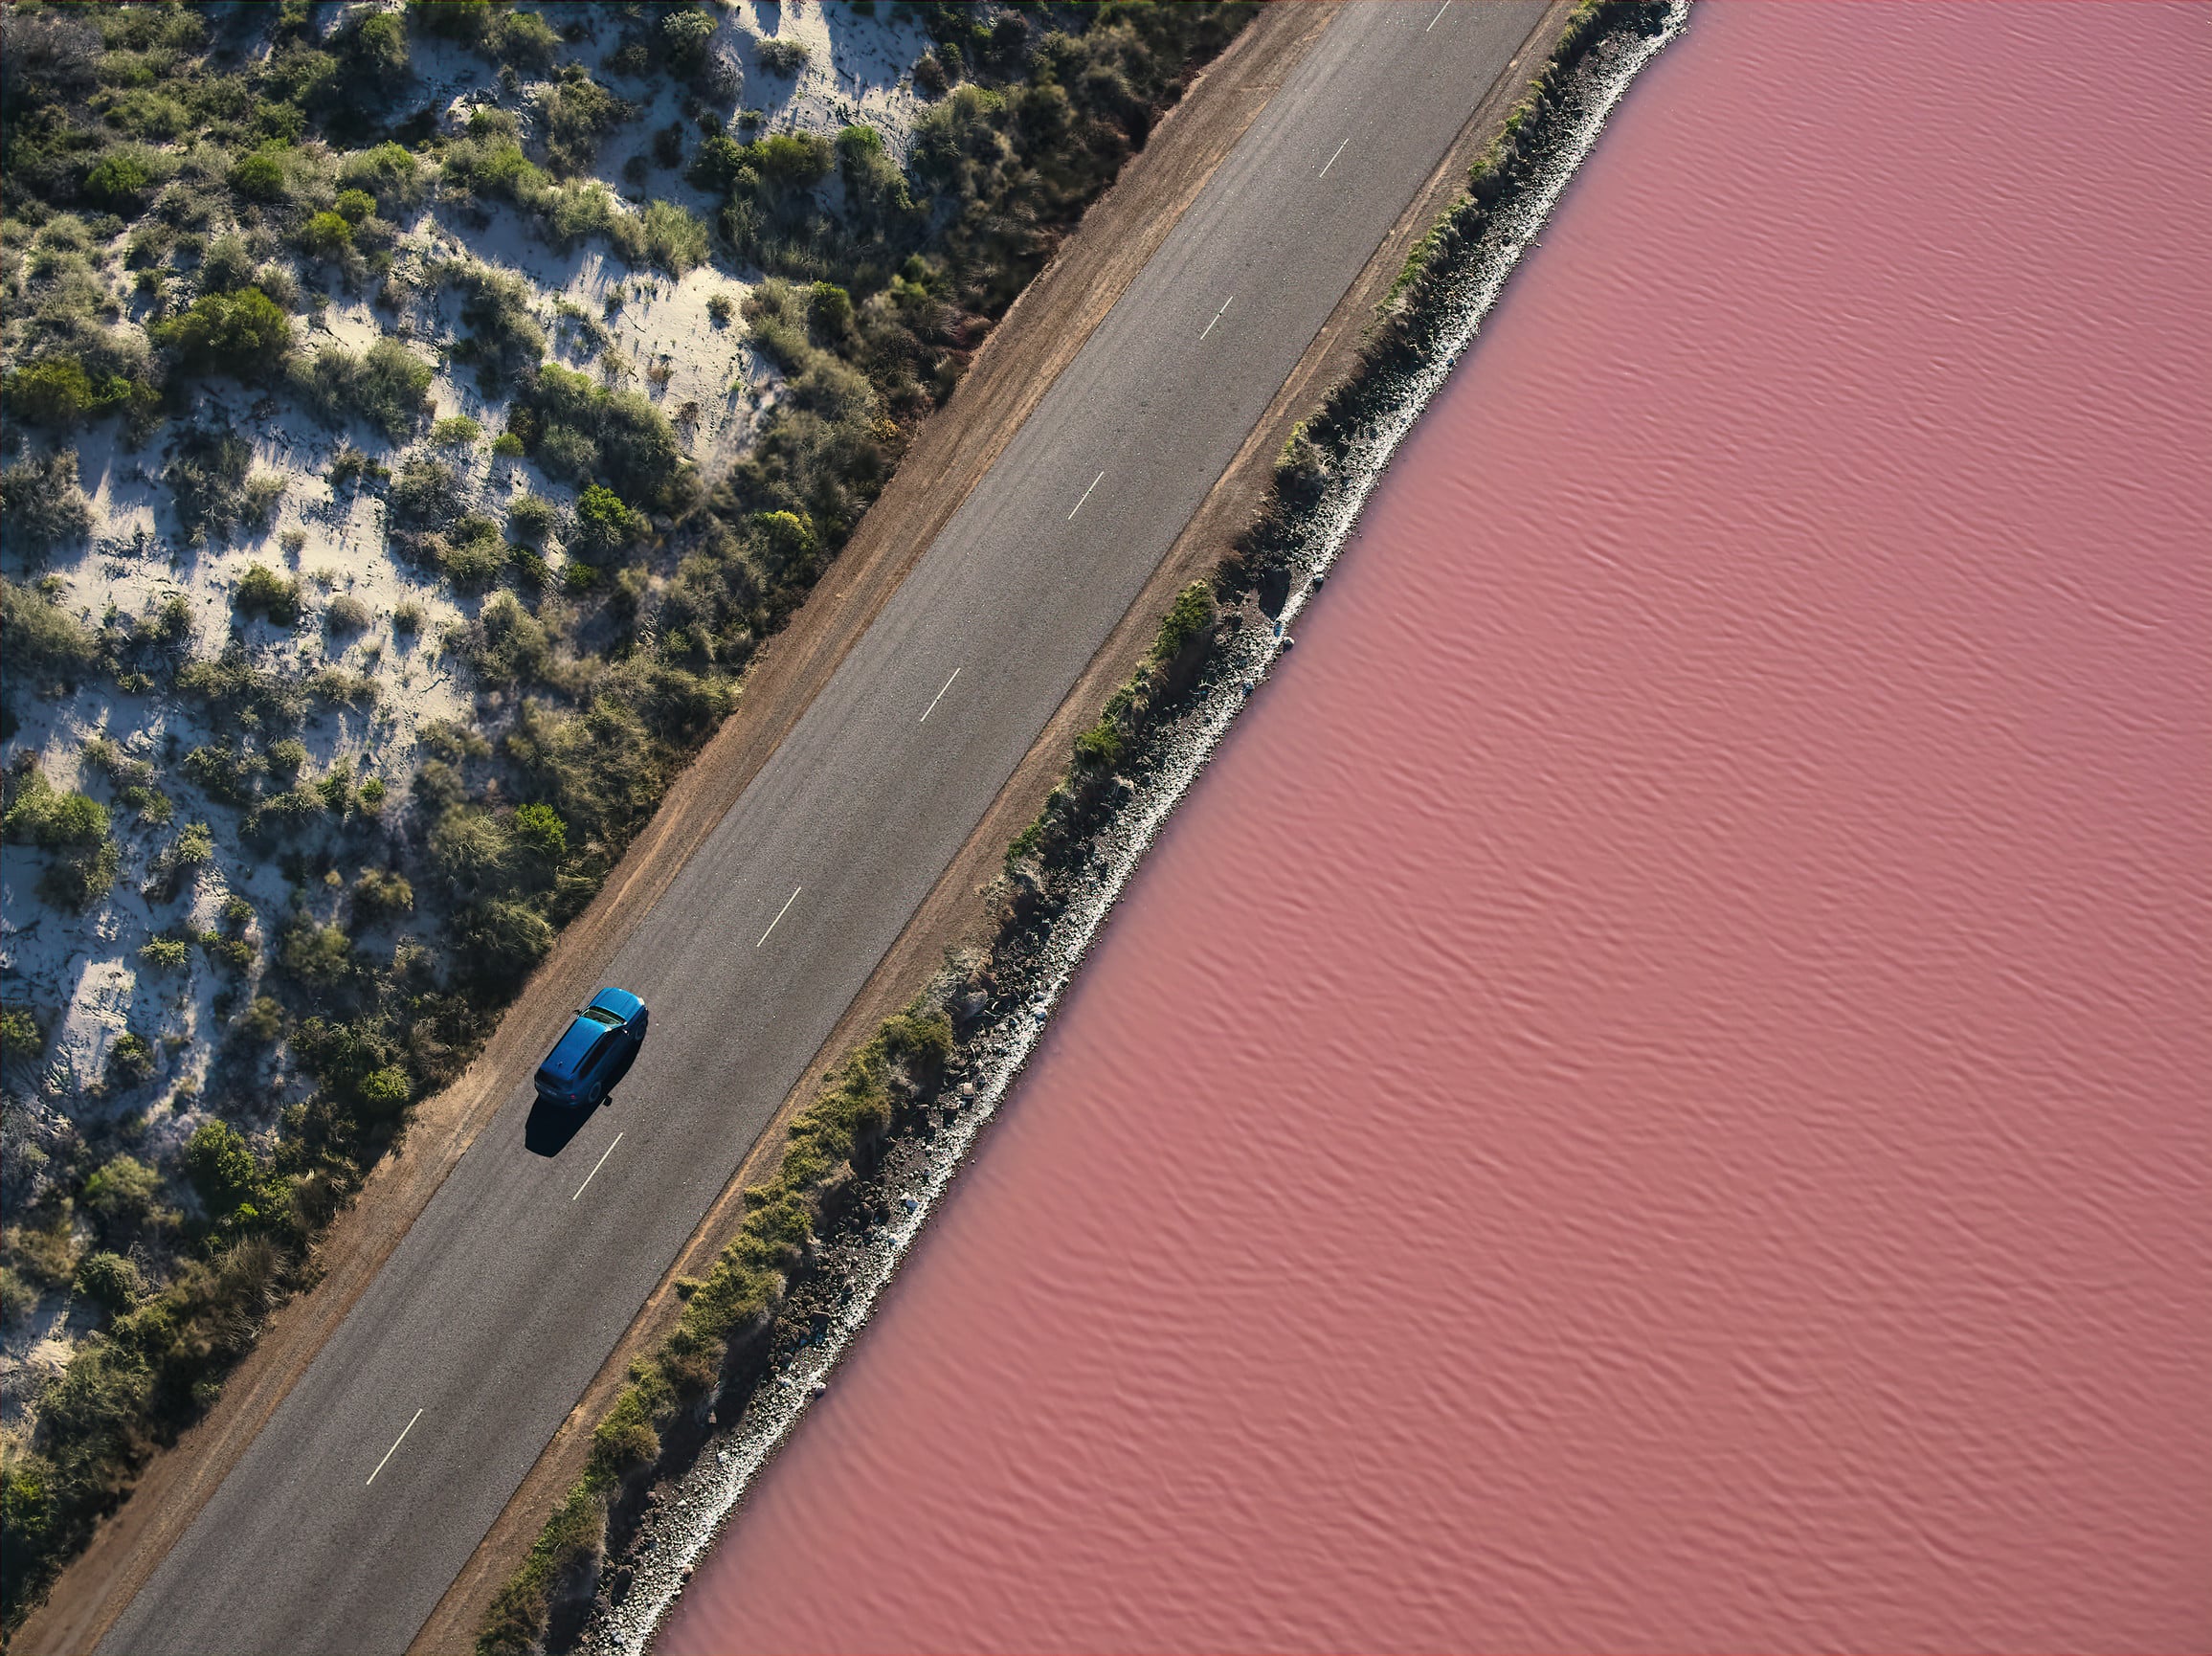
[(347, 614), (243, 334), (425, 495), (51, 819), (532, 518), (209, 486), (41, 503), (581, 430), (379, 893), (504, 337), (109, 1280), (576, 113), (165, 953), (262, 592), (130, 1062), (664, 235), (781, 56), (388, 386)]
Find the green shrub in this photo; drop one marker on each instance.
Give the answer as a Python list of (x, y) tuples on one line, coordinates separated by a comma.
[(326, 235), (388, 386), (40, 815), (41, 641), (124, 1195), (354, 205), (577, 430), (532, 518), (780, 56), (165, 953), (1191, 614), (264, 593), (41, 503), (604, 525), (372, 50), (21, 1037), (219, 1165), (389, 174), (122, 179), (244, 334), (456, 431), (319, 956), (664, 235), (109, 1280), (261, 177), (130, 1062), (539, 830)]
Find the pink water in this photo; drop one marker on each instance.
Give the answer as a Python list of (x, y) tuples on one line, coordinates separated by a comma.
[(1659, 1092)]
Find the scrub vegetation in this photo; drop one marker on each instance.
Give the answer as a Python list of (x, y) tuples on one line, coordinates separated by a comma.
[(369, 575), (717, 1355)]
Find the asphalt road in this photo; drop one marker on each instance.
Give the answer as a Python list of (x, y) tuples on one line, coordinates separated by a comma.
[(347, 1519)]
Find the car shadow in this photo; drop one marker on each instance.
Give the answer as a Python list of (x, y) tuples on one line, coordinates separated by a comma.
[(552, 1125)]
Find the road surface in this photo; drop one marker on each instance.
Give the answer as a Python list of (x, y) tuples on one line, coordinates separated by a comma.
[(343, 1524)]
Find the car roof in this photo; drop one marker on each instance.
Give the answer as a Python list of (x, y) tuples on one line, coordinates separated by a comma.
[(620, 1002), (568, 1053)]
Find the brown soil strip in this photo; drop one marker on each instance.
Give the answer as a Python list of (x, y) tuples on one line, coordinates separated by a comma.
[(955, 913), (1038, 336)]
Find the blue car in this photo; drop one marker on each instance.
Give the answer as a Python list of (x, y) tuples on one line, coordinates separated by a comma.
[(596, 1052)]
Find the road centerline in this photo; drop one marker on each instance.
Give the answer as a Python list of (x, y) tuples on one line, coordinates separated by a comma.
[(1439, 16), (597, 1166), (934, 700), (781, 912), (1094, 484), (1222, 312), (1331, 162), (395, 1449)]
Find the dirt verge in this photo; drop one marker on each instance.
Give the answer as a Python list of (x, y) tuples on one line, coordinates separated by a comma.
[(1038, 337)]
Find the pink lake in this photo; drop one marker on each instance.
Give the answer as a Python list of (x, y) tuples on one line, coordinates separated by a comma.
[(1659, 1092)]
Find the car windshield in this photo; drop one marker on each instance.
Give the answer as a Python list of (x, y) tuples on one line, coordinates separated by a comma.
[(600, 1015)]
